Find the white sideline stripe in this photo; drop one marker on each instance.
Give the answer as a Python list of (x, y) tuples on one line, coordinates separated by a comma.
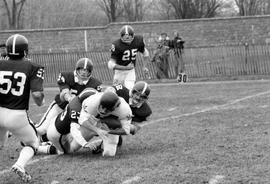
[(133, 179), (30, 163), (216, 179), (216, 107)]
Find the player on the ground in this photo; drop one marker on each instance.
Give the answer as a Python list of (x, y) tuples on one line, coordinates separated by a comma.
[(18, 77), (58, 132), (70, 85), (100, 106), (137, 98), (123, 57)]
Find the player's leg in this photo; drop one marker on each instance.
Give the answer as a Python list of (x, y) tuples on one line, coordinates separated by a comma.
[(119, 77), (53, 136), (130, 79), (20, 125), (3, 130), (52, 111), (110, 145)]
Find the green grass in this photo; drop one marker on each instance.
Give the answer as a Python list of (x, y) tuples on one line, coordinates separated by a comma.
[(197, 131)]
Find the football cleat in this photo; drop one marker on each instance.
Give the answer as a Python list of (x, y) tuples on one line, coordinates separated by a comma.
[(25, 177), (98, 149), (120, 141)]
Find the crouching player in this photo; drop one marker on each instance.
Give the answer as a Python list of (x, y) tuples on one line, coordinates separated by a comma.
[(137, 98), (59, 132), (97, 107)]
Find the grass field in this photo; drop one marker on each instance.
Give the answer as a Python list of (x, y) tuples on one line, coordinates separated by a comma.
[(200, 132)]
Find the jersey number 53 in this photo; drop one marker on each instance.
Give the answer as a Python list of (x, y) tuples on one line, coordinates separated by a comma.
[(13, 83)]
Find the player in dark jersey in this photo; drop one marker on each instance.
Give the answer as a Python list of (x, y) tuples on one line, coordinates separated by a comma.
[(123, 57), (137, 98), (58, 130), (18, 77), (70, 85)]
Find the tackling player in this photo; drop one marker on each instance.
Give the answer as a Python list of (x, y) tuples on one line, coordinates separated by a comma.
[(123, 57), (70, 85), (96, 107), (58, 132), (18, 77), (137, 98)]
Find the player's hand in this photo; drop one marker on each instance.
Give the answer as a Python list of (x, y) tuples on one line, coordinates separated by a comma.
[(103, 133), (90, 146), (130, 66), (134, 128), (146, 72)]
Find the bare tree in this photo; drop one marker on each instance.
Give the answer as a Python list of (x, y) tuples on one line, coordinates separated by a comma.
[(112, 8), (13, 10), (133, 10), (253, 7), (186, 9)]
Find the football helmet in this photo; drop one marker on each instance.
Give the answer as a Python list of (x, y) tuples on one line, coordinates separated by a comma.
[(84, 68), (127, 34), (17, 46), (139, 94), (86, 93), (108, 102)]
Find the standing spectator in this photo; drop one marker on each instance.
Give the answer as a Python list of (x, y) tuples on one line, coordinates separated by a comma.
[(18, 77), (123, 57), (178, 46), (161, 56), (70, 84)]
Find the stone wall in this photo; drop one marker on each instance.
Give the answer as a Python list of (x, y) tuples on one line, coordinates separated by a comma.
[(196, 33)]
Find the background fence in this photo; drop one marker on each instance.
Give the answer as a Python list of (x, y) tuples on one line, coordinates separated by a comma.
[(199, 62)]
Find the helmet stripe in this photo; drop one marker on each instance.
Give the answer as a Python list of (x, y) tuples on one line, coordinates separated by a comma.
[(14, 44), (144, 88), (126, 30), (85, 63)]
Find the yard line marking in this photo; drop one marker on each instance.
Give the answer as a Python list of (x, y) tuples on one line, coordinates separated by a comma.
[(216, 107), (216, 179), (30, 163), (133, 179)]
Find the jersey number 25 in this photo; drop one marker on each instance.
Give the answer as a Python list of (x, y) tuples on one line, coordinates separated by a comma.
[(129, 55)]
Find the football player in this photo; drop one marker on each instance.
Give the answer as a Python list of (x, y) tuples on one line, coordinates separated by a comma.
[(18, 78), (96, 107), (123, 57), (70, 85), (137, 98), (58, 132)]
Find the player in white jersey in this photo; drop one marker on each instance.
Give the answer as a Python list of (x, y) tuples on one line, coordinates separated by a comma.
[(98, 106)]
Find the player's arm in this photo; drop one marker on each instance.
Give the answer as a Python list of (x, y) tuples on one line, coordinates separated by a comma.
[(124, 130), (65, 93), (36, 85), (76, 134), (113, 66), (146, 57), (38, 97)]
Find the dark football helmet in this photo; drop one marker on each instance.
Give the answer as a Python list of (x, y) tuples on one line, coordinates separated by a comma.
[(108, 102), (86, 93), (139, 94), (84, 68), (17, 46), (127, 34)]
